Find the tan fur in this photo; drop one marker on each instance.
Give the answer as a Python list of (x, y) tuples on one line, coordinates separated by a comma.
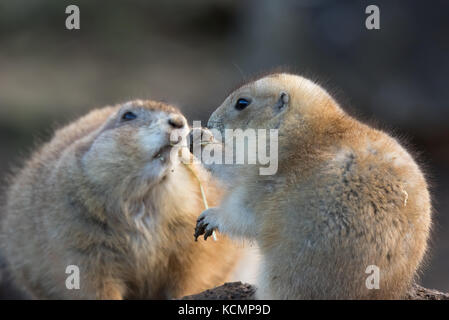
[(345, 196), (96, 198)]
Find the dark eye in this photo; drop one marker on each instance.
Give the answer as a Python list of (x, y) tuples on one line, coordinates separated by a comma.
[(127, 116), (242, 104)]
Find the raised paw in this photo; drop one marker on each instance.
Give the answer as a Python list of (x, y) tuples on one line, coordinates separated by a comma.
[(206, 224)]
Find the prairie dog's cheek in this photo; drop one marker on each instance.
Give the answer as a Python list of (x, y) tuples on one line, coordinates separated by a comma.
[(100, 158), (150, 140), (153, 170)]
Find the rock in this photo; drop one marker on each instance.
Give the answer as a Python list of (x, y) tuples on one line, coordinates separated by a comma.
[(228, 291), (243, 291), (419, 293)]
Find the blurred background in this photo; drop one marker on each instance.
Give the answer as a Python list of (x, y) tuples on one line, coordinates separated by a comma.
[(191, 53)]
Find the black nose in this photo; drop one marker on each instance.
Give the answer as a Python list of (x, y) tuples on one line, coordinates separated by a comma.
[(176, 122)]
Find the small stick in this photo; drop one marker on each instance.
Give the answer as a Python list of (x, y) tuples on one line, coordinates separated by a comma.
[(203, 195)]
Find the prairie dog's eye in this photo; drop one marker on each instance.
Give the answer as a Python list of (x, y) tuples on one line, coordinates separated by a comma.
[(242, 103), (127, 116)]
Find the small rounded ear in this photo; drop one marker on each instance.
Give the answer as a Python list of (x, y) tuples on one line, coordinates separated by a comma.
[(282, 103)]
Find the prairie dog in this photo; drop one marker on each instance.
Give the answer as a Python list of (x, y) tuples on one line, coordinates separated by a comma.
[(104, 195), (345, 197)]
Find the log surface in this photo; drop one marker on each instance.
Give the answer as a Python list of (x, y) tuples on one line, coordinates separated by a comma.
[(243, 291)]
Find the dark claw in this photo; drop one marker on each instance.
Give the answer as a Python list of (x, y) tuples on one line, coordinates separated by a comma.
[(208, 233), (199, 230)]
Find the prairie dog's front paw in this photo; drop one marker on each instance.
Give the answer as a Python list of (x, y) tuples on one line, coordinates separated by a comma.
[(206, 223)]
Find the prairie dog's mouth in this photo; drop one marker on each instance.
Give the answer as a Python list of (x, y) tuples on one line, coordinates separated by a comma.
[(163, 152)]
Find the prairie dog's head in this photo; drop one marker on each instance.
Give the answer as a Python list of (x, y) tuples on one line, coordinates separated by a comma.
[(264, 103), (136, 144)]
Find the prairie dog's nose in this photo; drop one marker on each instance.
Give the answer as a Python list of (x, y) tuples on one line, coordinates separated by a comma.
[(176, 121)]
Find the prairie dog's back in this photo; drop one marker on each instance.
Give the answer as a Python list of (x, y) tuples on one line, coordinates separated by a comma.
[(82, 127), (31, 183), (365, 204), (45, 157)]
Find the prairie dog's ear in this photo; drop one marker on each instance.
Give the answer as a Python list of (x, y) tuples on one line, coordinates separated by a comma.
[(282, 102)]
